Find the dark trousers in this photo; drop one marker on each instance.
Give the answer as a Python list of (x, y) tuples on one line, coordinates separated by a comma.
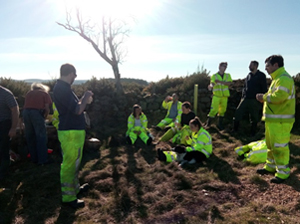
[(4, 147), (250, 106), (36, 135), (198, 156)]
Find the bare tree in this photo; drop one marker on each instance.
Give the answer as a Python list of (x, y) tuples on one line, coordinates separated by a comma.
[(106, 38)]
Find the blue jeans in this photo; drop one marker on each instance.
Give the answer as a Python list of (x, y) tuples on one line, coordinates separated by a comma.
[(4, 147), (36, 135)]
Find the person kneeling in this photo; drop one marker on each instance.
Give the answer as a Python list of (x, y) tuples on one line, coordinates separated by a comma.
[(137, 126)]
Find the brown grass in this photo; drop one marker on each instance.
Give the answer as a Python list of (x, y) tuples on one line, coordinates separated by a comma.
[(129, 185)]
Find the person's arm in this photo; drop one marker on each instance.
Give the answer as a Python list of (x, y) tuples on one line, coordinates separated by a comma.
[(281, 93), (14, 118), (83, 102), (263, 83)]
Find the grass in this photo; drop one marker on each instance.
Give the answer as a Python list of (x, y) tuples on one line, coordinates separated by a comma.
[(129, 185)]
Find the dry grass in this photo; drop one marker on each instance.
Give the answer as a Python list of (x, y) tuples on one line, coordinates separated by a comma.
[(129, 185)]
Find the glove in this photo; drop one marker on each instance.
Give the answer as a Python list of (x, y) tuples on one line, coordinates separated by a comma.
[(180, 149)]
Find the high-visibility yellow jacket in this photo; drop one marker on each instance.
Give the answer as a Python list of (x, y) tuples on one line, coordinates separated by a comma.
[(219, 89), (168, 105), (55, 120), (130, 123), (201, 141), (279, 101), (254, 152)]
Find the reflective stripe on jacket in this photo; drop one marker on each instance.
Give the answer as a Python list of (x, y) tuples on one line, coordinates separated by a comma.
[(279, 101), (170, 156), (168, 105), (201, 141), (130, 123), (219, 89)]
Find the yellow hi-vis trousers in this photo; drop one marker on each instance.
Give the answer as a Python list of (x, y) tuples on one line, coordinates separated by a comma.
[(133, 136), (218, 105), (166, 121), (72, 142), (177, 135), (277, 139)]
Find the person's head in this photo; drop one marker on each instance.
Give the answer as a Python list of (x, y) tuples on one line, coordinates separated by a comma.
[(273, 63), (175, 97), (186, 107), (39, 86), (136, 110), (195, 124), (222, 67), (68, 73), (253, 66)]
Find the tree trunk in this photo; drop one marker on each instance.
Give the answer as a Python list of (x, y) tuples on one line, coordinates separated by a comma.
[(119, 87)]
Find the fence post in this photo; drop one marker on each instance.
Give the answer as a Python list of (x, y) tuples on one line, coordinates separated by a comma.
[(195, 98)]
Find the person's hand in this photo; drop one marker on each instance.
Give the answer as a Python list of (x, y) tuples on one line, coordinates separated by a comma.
[(12, 132), (210, 87), (259, 97), (138, 132), (187, 137)]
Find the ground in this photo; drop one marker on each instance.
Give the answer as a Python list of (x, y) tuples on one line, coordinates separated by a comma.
[(129, 185)]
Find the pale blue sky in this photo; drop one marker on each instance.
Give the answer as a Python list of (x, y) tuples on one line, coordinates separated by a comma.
[(170, 37)]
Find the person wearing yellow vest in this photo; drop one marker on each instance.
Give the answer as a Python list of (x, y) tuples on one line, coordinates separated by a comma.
[(200, 147), (137, 126), (179, 132), (279, 116), (55, 120), (254, 152), (219, 85), (173, 116)]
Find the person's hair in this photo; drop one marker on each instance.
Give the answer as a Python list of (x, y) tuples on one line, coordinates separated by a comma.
[(223, 63), (187, 105), (135, 106), (196, 121), (66, 69), (255, 63), (275, 59), (37, 85)]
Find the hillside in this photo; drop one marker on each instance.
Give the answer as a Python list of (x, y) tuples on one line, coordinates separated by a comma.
[(129, 185)]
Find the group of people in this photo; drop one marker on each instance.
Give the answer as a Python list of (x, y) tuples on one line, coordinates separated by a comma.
[(192, 140)]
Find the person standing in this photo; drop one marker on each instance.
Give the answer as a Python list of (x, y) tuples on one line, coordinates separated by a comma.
[(9, 117), (219, 84), (71, 134), (255, 83), (36, 109), (279, 116)]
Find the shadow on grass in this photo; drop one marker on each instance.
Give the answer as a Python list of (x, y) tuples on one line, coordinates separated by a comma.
[(34, 194), (223, 169)]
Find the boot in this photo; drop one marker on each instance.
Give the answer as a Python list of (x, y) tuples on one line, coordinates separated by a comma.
[(208, 122), (220, 124), (253, 129), (236, 125)]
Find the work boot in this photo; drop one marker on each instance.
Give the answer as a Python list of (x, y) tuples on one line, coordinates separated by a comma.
[(220, 124), (75, 204), (253, 129), (263, 171), (83, 189), (277, 180), (208, 122)]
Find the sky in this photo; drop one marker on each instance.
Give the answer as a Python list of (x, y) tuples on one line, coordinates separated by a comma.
[(168, 37)]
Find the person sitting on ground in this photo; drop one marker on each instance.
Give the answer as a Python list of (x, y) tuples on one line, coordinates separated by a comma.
[(200, 146), (173, 116), (137, 126), (254, 152), (179, 132)]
